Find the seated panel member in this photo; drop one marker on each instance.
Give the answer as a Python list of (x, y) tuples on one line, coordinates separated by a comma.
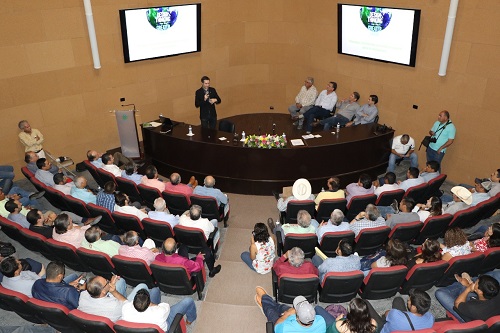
[(323, 105), (367, 113), (303, 101), (346, 109)]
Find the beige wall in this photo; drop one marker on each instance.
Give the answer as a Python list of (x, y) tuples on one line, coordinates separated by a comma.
[(257, 54)]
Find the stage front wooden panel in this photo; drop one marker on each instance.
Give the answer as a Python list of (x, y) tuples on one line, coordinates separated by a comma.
[(239, 169)]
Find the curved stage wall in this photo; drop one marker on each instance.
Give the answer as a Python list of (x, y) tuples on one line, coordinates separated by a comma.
[(244, 170)]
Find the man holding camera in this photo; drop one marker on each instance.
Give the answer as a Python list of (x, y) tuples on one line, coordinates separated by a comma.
[(442, 136)]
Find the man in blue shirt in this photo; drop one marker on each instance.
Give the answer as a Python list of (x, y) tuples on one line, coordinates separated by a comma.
[(367, 113), (210, 191), (444, 132)]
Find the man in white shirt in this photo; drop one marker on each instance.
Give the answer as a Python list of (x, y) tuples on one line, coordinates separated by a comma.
[(322, 107), (403, 147), (122, 205), (304, 100), (108, 160), (14, 278), (413, 179), (389, 184), (61, 184)]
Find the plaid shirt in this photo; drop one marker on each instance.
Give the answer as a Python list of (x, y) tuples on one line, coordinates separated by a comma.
[(364, 223), (106, 200)]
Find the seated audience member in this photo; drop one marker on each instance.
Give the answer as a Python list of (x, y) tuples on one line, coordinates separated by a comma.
[(301, 190), (176, 186), (17, 279), (260, 256), (151, 179), (335, 223), (455, 244), (495, 183), (433, 207), (491, 238), (430, 171), (457, 296), (303, 101), (305, 225), (65, 231), (96, 159), (122, 205), (171, 255), (14, 208), (415, 315), (93, 241), (462, 199), (323, 106), (55, 288), (61, 184), (333, 191), (132, 249), (359, 319), (40, 224), (106, 196), (109, 166), (404, 215), (80, 191), (192, 218), (413, 179), (395, 254), (130, 172), (30, 157), (28, 265), (300, 318), (403, 147), (431, 252), (362, 187), (209, 190), (367, 113), (26, 198), (389, 184), (346, 110), (161, 213), (370, 218), (345, 261), (106, 297), (43, 174), (293, 262), (143, 310), (6, 175), (480, 192)]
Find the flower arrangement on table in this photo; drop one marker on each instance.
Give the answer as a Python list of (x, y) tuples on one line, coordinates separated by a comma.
[(265, 141)]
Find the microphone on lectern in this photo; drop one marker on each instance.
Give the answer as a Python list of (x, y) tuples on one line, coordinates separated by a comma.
[(274, 129), (259, 130)]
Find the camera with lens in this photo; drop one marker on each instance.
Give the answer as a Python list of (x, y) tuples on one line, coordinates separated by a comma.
[(433, 139)]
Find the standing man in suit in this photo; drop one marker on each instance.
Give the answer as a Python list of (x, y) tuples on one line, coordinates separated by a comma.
[(205, 98)]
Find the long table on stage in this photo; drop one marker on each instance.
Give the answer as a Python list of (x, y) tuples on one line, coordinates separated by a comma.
[(239, 169)]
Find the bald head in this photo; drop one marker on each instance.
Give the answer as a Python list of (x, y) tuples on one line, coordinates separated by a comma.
[(169, 246), (209, 181), (80, 182), (175, 178)]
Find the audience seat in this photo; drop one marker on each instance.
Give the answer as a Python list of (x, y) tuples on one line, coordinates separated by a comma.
[(178, 326), (434, 185), (493, 324), (157, 230), (209, 208), (195, 239), (76, 206), (133, 270), (93, 171), (293, 207), (327, 206), (476, 326), (37, 243), (489, 207), (106, 176), (27, 173), (129, 188), (98, 262), (370, 240), (383, 282), (67, 254), (16, 302), (289, 286), (339, 287), (148, 194), (38, 184), (91, 323), (175, 279), (417, 193), (466, 218), (386, 198), (56, 198), (434, 227), (307, 242), (107, 223), (470, 263), (491, 260), (177, 203), (406, 232), (129, 222), (358, 204), (423, 276), (425, 330), (56, 315), (330, 241), (10, 228)]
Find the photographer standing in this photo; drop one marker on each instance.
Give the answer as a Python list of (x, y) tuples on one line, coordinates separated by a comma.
[(443, 134)]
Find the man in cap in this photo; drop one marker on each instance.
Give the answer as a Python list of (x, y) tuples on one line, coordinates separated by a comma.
[(301, 317), (481, 190), (301, 190), (462, 199)]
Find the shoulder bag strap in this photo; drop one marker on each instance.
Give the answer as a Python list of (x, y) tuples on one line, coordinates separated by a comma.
[(409, 320)]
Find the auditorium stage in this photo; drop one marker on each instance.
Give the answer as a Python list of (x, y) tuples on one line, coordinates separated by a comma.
[(239, 169)]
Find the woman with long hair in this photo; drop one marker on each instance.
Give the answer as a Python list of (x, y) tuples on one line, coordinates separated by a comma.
[(396, 254), (357, 320), (491, 239), (431, 252), (262, 251), (433, 207)]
